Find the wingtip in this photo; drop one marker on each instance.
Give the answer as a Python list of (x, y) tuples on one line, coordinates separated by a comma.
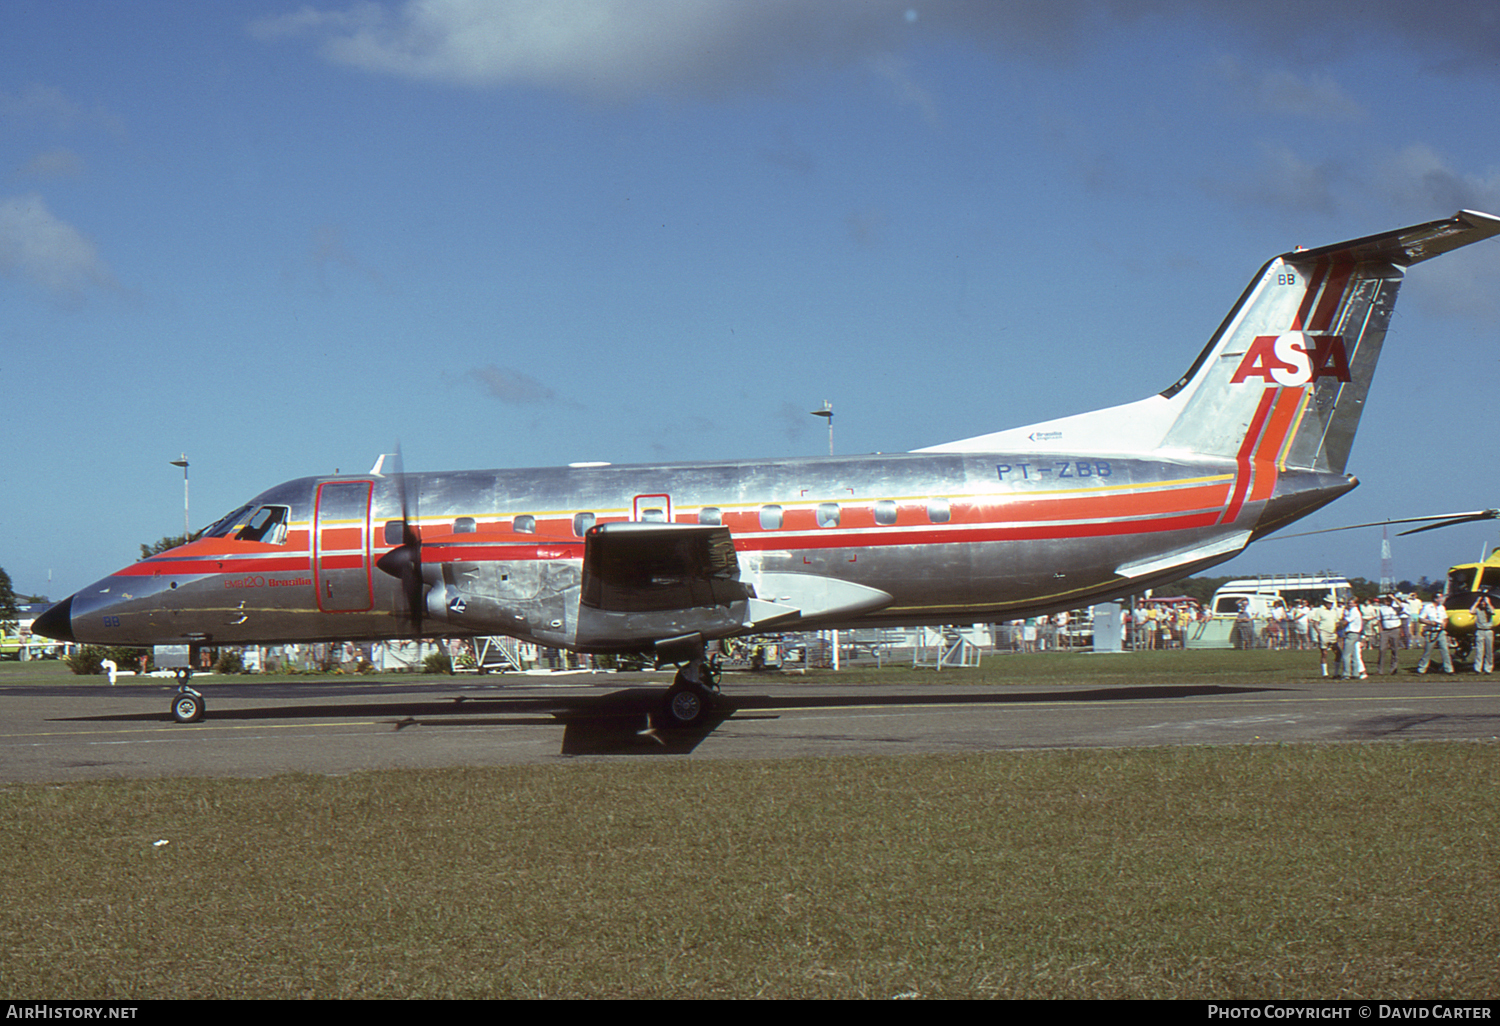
[(1489, 224)]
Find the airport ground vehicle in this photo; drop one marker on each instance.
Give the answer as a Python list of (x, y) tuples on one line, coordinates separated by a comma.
[(1261, 593)]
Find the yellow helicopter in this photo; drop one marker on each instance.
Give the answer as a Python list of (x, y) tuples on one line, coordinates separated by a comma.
[(1466, 583)]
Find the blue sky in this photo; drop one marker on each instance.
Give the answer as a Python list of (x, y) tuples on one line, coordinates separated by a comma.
[(280, 237)]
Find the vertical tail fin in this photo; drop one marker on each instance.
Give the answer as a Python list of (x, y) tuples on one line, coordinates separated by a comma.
[(1284, 378)]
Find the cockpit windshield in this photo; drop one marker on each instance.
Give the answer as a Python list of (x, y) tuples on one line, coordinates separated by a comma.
[(252, 523), (1467, 583), (224, 525)]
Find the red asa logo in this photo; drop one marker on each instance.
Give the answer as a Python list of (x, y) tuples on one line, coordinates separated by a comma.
[(1295, 358)]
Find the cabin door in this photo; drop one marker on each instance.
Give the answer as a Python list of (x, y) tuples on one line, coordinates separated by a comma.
[(341, 546)]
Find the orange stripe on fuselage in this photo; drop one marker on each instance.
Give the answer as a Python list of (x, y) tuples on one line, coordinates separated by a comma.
[(1156, 502)]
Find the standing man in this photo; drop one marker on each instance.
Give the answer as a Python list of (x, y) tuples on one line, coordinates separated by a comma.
[(1434, 621), (1352, 630), (1390, 632), (1244, 627), (1484, 635), (1323, 629), (1301, 617)]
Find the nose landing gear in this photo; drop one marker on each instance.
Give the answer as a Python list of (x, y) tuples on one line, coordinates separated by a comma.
[(187, 705)]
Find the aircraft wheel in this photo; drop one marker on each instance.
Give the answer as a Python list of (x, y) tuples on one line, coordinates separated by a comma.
[(187, 707), (685, 706)]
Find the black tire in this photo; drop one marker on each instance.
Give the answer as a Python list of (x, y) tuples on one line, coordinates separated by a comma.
[(187, 708), (684, 706)]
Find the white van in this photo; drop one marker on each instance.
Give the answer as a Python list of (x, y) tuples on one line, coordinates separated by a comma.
[(1262, 592)]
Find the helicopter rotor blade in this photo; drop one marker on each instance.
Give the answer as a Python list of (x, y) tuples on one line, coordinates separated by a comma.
[(1456, 518), (1445, 520)]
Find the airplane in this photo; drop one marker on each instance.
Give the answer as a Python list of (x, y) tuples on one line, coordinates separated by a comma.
[(667, 559)]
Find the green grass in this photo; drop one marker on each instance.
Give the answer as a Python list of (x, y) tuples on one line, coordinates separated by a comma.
[(1243, 872)]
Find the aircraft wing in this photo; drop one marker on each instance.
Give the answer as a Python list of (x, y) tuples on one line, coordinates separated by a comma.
[(648, 567), (673, 585)]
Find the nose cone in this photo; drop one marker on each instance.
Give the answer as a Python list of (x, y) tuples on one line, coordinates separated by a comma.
[(57, 622)]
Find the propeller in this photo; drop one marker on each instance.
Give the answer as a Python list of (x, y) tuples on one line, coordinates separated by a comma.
[(1442, 520), (405, 561)]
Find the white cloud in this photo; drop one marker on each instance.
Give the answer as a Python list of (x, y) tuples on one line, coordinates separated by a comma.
[(1421, 179), (601, 48), (512, 386), (51, 164), (38, 247), (46, 104), (1284, 180), (621, 48), (50, 108), (1287, 94)]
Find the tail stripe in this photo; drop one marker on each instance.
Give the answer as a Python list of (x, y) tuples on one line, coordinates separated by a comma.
[(1289, 404), (1310, 294), (1244, 458), (1332, 298), (1291, 436)]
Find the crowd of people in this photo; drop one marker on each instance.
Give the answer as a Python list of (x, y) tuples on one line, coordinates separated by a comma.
[(1383, 626), (1147, 627), (1152, 626)]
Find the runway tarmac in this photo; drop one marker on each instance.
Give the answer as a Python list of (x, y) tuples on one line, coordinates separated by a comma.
[(58, 732)]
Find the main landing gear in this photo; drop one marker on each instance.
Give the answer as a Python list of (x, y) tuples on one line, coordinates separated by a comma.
[(693, 695)]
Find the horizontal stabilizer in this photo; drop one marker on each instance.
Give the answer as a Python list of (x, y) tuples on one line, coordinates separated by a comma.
[(1406, 246)]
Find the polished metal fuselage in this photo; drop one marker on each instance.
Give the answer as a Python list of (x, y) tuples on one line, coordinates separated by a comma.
[(950, 538)]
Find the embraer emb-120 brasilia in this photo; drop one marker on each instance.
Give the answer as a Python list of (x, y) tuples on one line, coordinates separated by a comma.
[(664, 559)]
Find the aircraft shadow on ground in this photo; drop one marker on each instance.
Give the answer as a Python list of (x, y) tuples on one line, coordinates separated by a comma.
[(620, 722)]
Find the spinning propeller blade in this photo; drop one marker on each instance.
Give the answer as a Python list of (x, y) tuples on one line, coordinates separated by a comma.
[(405, 561)]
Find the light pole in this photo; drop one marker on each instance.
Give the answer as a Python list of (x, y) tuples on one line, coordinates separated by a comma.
[(827, 412), (183, 463)]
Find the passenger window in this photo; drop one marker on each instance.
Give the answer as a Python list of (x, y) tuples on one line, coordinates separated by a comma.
[(828, 514), (267, 525), (653, 516), (524, 524), (393, 533), (582, 522), (770, 518), (710, 515), (464, 525), (885, 512), (938, 511)]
